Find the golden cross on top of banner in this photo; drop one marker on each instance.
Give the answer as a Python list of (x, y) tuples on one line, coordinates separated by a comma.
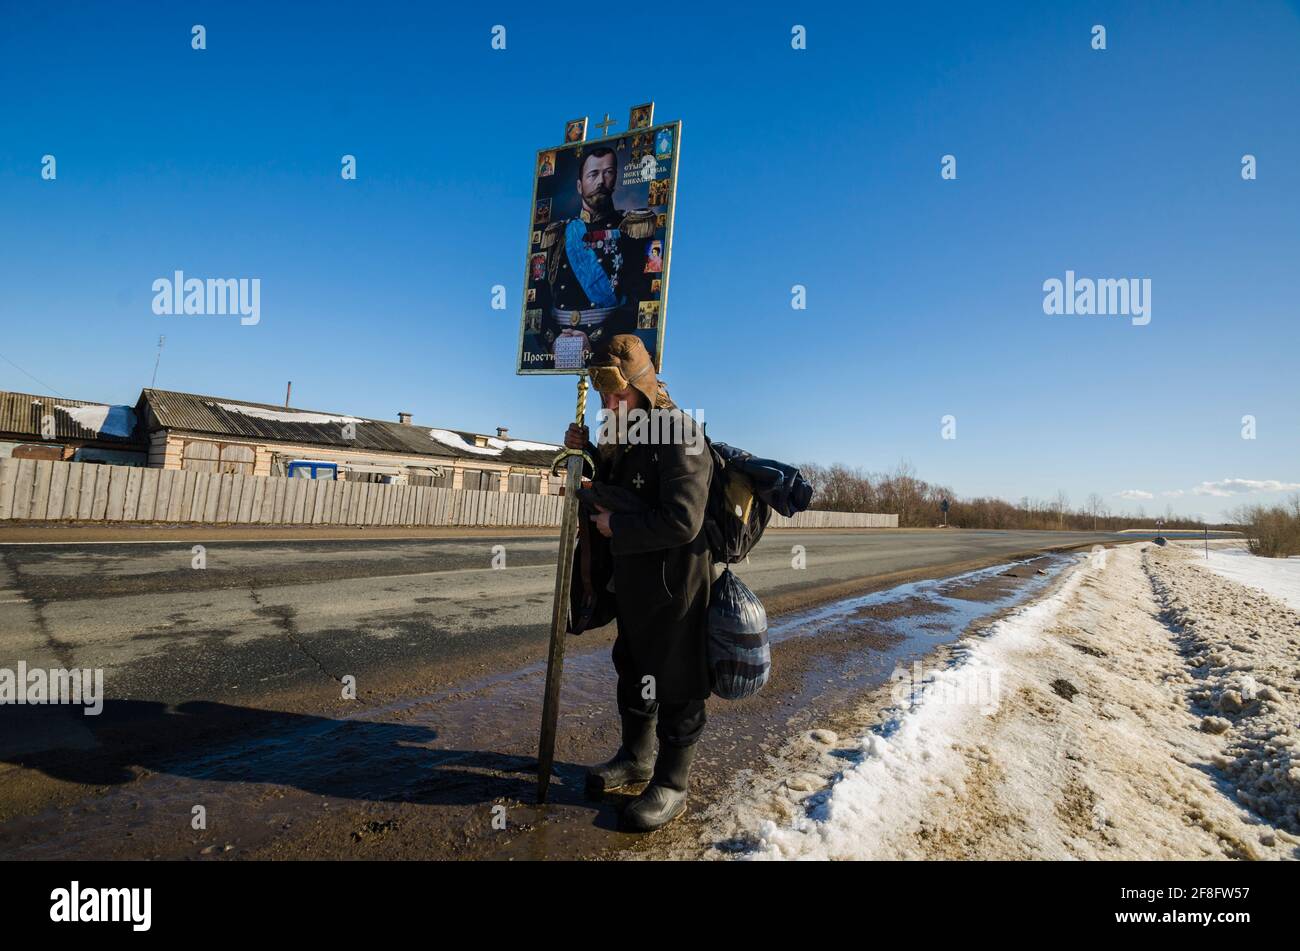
[(641, 117)]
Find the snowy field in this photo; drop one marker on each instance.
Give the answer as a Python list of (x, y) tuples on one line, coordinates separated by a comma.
[(1277, 577), (1146, 708)]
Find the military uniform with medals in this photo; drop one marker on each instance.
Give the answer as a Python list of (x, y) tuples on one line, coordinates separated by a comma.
[(595, 275)]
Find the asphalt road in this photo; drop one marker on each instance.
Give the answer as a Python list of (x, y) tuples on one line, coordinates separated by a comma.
[(225, 686), (302, 615)]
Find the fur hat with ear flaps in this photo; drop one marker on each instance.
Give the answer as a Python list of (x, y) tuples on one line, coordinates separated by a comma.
[(628, 363)]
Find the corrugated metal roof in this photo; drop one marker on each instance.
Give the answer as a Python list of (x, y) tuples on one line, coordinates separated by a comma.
[(220, 416), (21, 414)]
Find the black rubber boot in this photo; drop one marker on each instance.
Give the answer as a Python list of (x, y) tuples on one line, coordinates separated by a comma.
[(665, 798), (634, 761)]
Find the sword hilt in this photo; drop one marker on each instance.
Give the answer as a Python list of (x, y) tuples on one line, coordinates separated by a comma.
[(563, 456), (580, 417)]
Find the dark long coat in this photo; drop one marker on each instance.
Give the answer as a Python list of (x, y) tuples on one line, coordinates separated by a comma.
[(662, 566)]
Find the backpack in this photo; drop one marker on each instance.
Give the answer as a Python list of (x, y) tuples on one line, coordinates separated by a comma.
[(743, 492)]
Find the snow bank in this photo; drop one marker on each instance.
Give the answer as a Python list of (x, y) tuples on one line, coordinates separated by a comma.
[(1145, 710), (915, 756), (1276, 577), (1243, 650)]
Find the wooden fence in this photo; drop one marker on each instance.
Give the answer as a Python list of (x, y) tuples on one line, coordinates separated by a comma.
[(51, 491), (834, 520), (44, 490)]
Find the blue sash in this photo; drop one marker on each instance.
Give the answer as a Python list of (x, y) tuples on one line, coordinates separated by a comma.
[(586, 266)]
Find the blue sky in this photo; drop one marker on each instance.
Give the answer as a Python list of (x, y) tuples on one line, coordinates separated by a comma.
[(817, 167)]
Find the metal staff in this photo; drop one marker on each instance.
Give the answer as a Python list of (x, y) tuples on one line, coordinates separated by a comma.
[(560, 612)]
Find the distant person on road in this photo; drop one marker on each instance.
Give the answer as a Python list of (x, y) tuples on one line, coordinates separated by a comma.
[(662, 574)]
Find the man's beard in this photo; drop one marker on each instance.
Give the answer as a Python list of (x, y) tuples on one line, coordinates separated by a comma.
[(600, 201)]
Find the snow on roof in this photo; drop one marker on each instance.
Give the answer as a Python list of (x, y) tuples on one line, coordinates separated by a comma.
[(523, 445), (102, 418), (288, 415), (494, 446)]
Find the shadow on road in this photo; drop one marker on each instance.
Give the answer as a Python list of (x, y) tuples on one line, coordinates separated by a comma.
[(211, 742)]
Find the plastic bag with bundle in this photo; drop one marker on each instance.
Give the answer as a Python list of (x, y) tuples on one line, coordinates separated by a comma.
[(740, 660)]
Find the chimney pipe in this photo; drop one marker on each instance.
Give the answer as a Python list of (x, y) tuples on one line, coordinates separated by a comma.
[(404, 419), (501, 432), (287, 390)]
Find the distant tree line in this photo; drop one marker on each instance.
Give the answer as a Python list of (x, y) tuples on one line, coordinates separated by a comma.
[(1271, 530), (917, 504)]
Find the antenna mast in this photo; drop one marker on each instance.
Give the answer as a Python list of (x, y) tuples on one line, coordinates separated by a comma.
[(157, 360)]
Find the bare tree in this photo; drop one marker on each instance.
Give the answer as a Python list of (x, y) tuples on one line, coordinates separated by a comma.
[(1060, 505), (1095, 506)]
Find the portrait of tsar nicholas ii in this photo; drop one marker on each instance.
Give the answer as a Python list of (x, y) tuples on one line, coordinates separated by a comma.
[(601, 248), (593, 283)]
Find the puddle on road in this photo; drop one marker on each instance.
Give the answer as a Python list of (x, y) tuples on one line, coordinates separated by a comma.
[(463, 750), (952, 603)]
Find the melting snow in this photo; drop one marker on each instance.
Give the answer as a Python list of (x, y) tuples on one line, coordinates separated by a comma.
[(1145, 709), (916, 756), (1277, 577), (494, 446), (103, 419), (287, 416)]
